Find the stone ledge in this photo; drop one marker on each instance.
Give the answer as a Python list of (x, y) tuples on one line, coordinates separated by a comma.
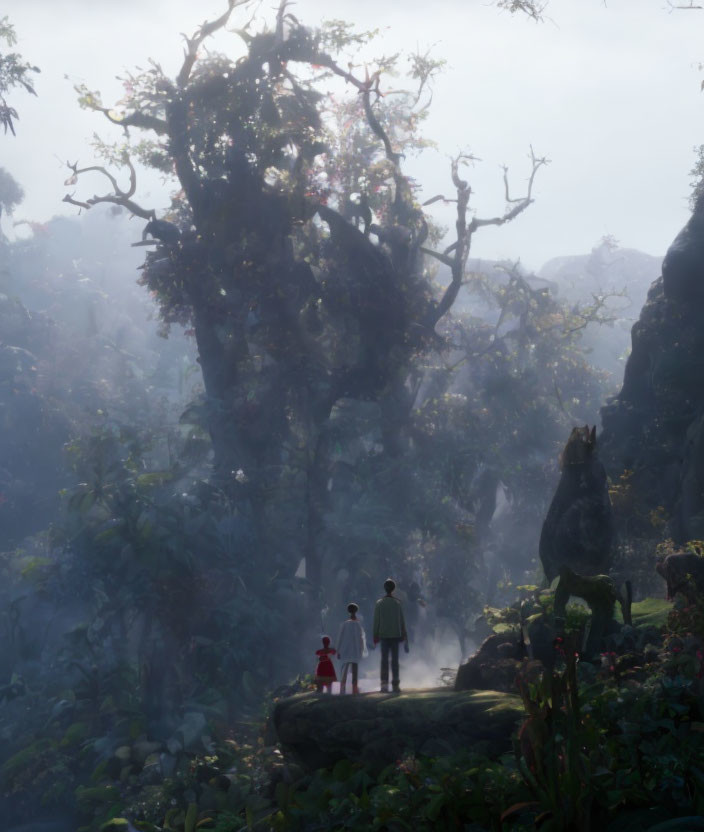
[(377, 728)]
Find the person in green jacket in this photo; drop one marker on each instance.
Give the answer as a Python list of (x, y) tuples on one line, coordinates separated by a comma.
[(390, 630)]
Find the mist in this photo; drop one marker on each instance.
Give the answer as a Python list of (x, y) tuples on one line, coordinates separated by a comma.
[(287, 311)]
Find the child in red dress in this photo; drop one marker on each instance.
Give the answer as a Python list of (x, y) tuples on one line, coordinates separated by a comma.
[(325, 671)]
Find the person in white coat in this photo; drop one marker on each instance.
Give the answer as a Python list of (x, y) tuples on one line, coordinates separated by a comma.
[(351, 648)]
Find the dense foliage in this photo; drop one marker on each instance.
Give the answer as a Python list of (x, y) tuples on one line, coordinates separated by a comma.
[(615, 744)]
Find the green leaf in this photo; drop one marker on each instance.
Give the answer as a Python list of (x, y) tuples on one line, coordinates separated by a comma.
[(155, 478), (503, 628), (342, 770), (191, 817), (107, 535), (435, 805)]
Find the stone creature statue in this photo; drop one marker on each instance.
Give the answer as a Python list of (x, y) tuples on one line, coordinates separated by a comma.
[(496, 662), (578, 531), (601, 594), (684, 572)]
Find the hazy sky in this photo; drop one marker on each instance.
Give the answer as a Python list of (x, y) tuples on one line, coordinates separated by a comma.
[(608, 91)]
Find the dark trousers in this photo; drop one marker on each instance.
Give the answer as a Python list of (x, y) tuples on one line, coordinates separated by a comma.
[(355, 672), (390, 645)]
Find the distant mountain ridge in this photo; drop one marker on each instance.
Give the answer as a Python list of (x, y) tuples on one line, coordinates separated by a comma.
[(607, 268), (621, 276)]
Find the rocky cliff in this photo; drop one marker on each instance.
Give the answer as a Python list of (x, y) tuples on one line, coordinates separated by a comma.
[(654, 427)]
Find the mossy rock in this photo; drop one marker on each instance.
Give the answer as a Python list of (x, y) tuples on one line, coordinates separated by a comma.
[(319, 730), (89, 796), (75, 734), (24, 758), (116, 825)]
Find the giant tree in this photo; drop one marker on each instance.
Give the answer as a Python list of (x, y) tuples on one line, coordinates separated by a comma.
[(296, 250)]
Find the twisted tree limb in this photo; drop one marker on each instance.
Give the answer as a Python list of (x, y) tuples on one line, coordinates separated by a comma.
[(459, 249), (208, 28), (118, 197)]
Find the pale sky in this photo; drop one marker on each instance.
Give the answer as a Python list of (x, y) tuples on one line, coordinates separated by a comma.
[(609, 92)]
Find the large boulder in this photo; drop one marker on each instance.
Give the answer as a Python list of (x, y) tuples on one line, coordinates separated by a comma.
[(578, 530), (318, 730), (684, 573), (494, 666)]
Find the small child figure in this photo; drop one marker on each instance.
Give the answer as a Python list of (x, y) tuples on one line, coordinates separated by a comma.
[(351, 647), (325, 671)]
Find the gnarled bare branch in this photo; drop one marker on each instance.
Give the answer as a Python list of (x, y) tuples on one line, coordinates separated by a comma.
[(69, 198), (459, 249), (520, 204), (532, 8), (443, 258), (366, 87), (193, 43), (118, 197)]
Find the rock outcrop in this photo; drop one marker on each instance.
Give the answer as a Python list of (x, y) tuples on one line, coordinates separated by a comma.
[(654, 428), (318, 730), (684, 573), (493, 667)]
